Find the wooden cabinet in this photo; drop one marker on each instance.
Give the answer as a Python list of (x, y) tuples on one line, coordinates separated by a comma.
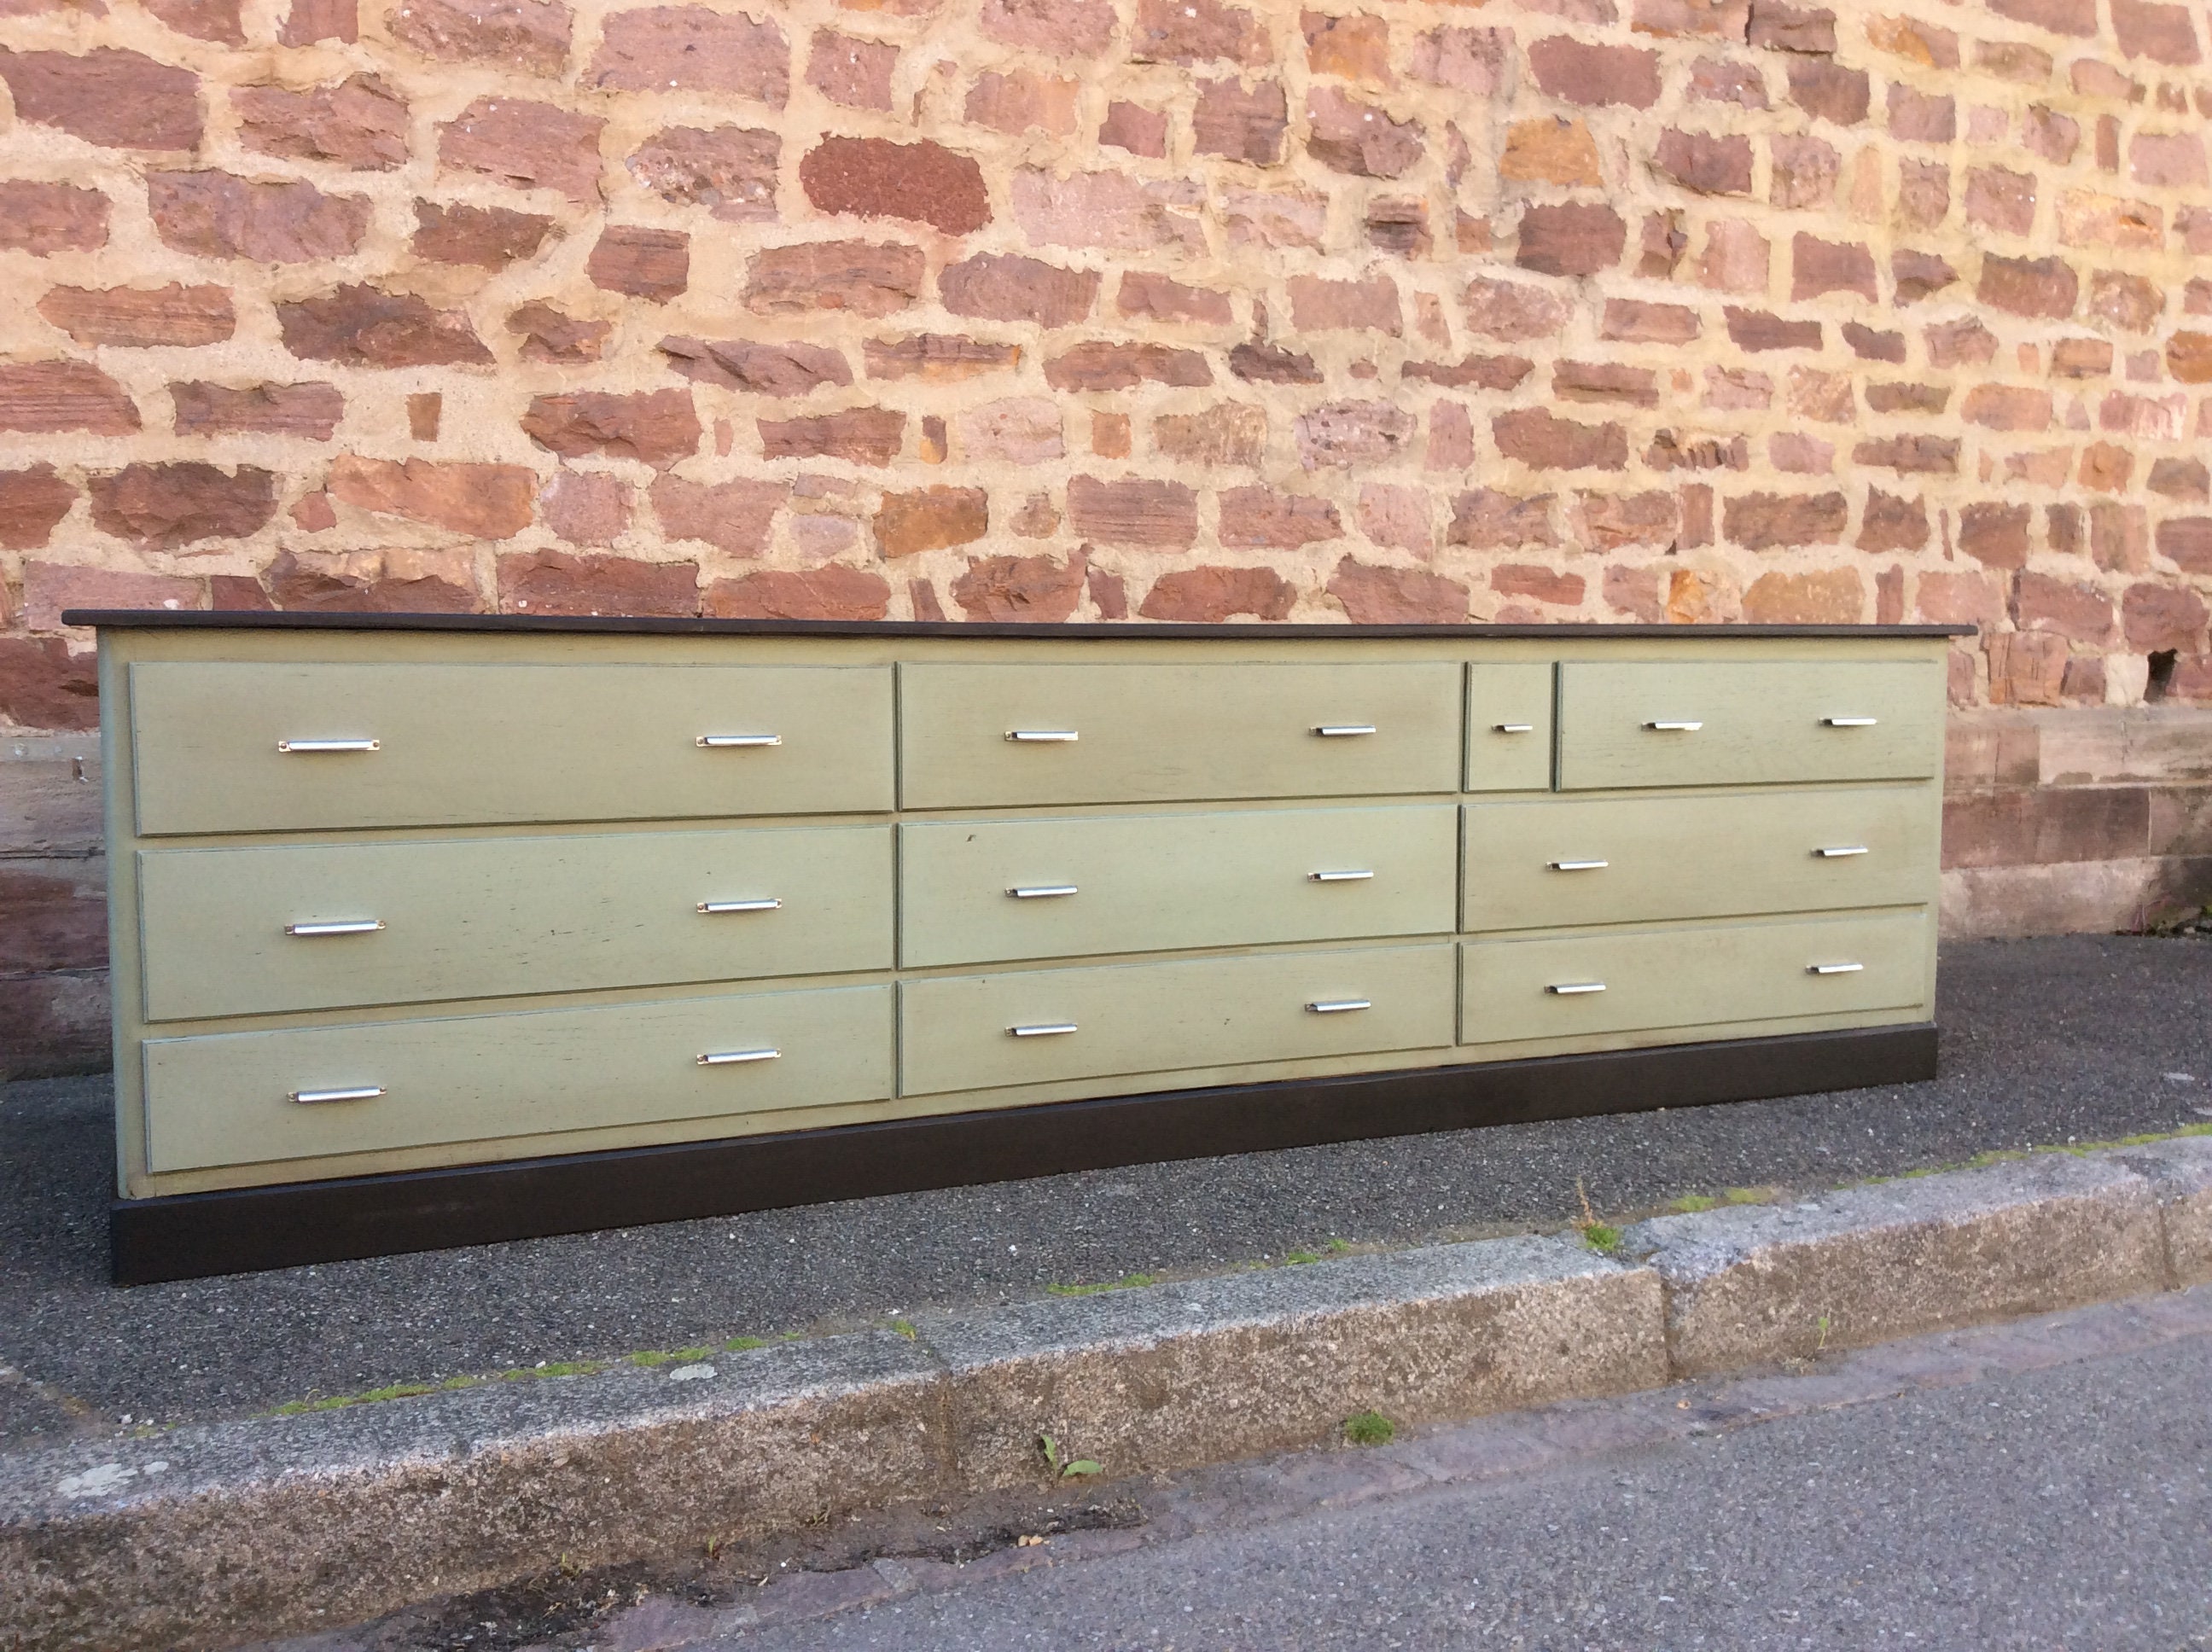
[(724, 915)]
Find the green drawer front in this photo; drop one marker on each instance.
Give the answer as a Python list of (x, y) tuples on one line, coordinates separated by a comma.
[(1564, 862), (1162, 732), (1756, 722), (488, 917), (1162, 883), (469, 745), (1666, 978), (224, 1098), (1509, 728), (956, 1033)]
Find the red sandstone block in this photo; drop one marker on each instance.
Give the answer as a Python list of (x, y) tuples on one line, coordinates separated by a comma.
[(1571, 238), (734, 517), (1208, 595), (656, 427), (556, 582), (871, 278), (1709, 165), (549, 335), (690, 48), (360, 123), (2160, 616), (1132, 512), (1001, 287), (875, 178), (1396, 595), (487, 501), (166, 507), (1351, 434), (1580, 72), (530, 35), (119, 99), (1349, 136), (1281, 521), (487, 238), (855, 72), (729, 170), (931, 519), (1245, 123), (533, 145), (1319, 304), (1035, 588), (1543, 442), (363, 326), (830, 592), (216, 215), (642, 262)]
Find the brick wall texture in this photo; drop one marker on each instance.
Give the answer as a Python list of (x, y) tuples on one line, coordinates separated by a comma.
[(1687, 310)]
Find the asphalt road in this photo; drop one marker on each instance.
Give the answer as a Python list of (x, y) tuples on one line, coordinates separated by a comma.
[(2081, 1038), (2068, 1506)]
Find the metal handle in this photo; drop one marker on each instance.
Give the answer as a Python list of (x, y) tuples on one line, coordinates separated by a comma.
[(1849, 722), (1833, 969), (1040, 891), (1576, 988), (1580, 865), (1339, 1005), (1354, 876), (1343, 731), (1513, 728), (1841, 850), (310, 747), (732, 1058), (1674, 727), (711, 908), (357, 1093), (737, 742), (1043, 1029), (1041, 735), (342, 926)]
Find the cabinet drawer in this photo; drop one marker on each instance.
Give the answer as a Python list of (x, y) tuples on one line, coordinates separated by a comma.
[(958, 1033), (1562, 862), (1161, 732), (470, 744), (1509, 728), (225, 1098), (1661, 978), (486, 917), (1737, 724), (974, 891)]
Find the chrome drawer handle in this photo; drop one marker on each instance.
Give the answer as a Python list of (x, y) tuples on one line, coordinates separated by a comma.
[(1513, 728), (712, 907), (1674, 727), (1576, 988), (1042, 891), (1042, 736), (1343, 731), (1841, 850), (1849, 722), (737, 742), (1339, 1005), (309, 748), (1043, 1029), (356, 1093), (732, 1058), (341, 927), (1833, 969), (1580, 865), (1356, 875)]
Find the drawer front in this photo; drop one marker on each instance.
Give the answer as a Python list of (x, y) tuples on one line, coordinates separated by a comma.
[(1509, 728), (225, 1098), (470, 744), (956, 1033), (974, 891), (1690, 977), (1163, 732), (483, 918), (1744, 723), (1562, 862)]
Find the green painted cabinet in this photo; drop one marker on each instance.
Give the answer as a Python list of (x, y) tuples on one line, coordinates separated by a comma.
[(393, 898)]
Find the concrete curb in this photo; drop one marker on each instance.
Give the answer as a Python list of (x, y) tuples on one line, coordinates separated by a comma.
[(213, 1535)]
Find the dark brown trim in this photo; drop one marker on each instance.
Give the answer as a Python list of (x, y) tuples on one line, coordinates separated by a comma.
[(191, 1235), (166, 619)]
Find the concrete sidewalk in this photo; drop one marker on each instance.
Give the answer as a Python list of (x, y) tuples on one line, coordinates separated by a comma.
[(2081, 1038)]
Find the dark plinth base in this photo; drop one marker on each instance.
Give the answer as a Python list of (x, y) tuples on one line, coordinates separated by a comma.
[(191, 1235)]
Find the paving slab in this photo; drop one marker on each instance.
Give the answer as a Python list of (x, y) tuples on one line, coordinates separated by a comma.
[(2083, 1038)]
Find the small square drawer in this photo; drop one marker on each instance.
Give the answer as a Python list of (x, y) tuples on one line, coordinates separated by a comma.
[(1744, 723), (234, 747), (257, 931), (491, 1082), (1571, 987), (974, 891), (976, 1032), (1562, 862), (1508, 728), (981, 736)]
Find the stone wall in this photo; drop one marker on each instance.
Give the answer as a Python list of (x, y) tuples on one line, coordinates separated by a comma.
[(1667, 310)]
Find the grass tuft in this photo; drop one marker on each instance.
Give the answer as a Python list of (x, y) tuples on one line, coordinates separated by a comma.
[(1369, 1428)]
